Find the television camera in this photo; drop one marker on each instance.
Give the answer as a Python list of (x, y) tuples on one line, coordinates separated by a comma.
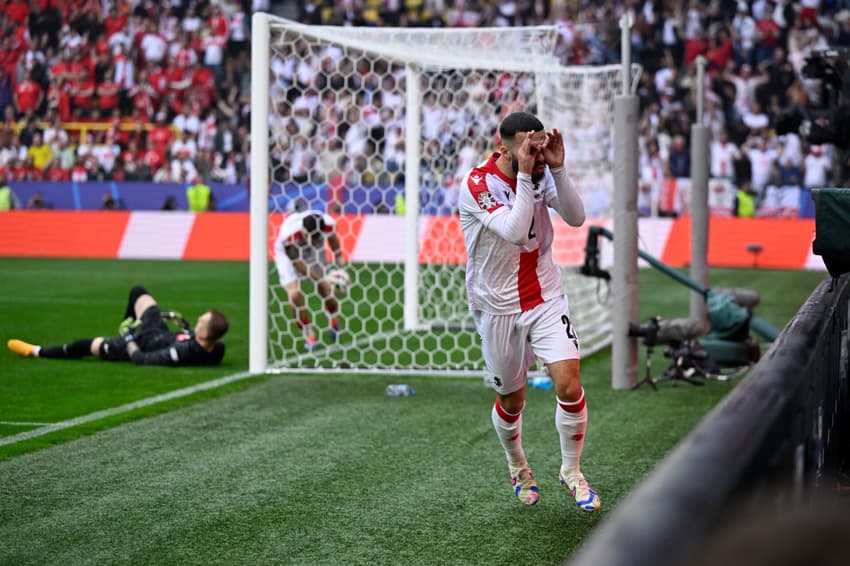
[(827, 118), (728, 342), (688, 358)]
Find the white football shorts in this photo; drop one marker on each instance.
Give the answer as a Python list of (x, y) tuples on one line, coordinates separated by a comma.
[(511, 342), (286, 271)]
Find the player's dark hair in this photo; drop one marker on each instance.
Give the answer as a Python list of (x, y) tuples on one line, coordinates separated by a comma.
[(516, 122), (313, 224), (218, 325)]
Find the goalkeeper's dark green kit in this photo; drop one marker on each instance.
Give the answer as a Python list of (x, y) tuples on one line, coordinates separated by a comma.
[(158, 345)]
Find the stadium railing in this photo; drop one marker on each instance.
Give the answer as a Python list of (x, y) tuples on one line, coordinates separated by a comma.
[(778, 437)]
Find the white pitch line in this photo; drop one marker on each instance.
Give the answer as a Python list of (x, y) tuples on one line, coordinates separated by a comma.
[(97, 415), (19, 423)]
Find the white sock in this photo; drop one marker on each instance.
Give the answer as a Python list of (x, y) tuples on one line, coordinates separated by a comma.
[(571, 422), (509, 430)]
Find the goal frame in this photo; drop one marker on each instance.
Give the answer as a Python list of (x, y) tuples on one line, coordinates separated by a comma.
[(262, 25)]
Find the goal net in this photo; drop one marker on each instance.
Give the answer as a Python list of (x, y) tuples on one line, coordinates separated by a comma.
[(375, 127)]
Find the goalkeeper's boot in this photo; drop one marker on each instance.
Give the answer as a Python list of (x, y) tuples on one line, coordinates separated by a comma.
[(22, 348), (310, 342), (524, 484), (585, 496)]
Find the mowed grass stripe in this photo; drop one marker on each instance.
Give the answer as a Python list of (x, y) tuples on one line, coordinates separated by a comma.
[(113, 411)]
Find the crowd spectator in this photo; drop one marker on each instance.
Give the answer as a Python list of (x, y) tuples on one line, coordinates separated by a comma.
[(817, 165)]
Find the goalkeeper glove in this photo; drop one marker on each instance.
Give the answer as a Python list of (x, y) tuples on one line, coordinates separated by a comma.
[(128, 325), (128, 337)]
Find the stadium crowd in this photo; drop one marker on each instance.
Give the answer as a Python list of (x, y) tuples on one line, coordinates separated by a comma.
[(139, 90), (159, 90)]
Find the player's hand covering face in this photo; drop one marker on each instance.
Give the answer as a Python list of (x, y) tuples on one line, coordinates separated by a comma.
[(553, 149)]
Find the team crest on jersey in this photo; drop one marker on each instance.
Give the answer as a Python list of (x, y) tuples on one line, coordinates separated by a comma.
[(486, 200)]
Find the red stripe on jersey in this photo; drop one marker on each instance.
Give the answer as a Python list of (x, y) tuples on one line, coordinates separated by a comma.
[(493, 168), (528, 285)]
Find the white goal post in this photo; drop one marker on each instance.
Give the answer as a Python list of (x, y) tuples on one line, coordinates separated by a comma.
[(375, 126)]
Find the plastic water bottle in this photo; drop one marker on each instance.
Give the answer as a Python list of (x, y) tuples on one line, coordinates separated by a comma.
[(541, 382), (400, 390)]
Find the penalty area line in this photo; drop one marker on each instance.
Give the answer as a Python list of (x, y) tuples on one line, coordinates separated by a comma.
[(126, 408)]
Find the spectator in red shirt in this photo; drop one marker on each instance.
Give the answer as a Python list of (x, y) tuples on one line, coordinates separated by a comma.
[(114, 22), (719, 52), (28, 95), (59, 99), (26, 171), (219, 24), (17, 12), (82, 95), (61, 70), (158, 79), (143, 97), (55, 172), (202, 89), (80, 68), (107, 92), (768, 32), (179, 77), (694, 47), (161, 136)]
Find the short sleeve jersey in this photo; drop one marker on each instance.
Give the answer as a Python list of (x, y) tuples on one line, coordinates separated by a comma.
[(290, 230), (501, 277)]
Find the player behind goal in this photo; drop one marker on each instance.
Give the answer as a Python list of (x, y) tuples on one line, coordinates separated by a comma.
[(299, 252)]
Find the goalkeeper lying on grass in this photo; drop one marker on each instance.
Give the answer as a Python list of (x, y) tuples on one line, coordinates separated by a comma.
[(145, 338)]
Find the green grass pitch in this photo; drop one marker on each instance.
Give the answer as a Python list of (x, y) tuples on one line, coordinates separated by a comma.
[(299, 469)]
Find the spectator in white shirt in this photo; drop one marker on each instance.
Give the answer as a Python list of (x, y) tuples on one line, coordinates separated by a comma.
[(791, 154), (762, 162), (744, 31), (723, 156), (817, 166), (756, 120), (191, 21), (153, 45), (183, 144), (55, 135)]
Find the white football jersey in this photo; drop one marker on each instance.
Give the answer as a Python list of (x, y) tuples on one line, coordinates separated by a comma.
[(501, 277), (290, 230)]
